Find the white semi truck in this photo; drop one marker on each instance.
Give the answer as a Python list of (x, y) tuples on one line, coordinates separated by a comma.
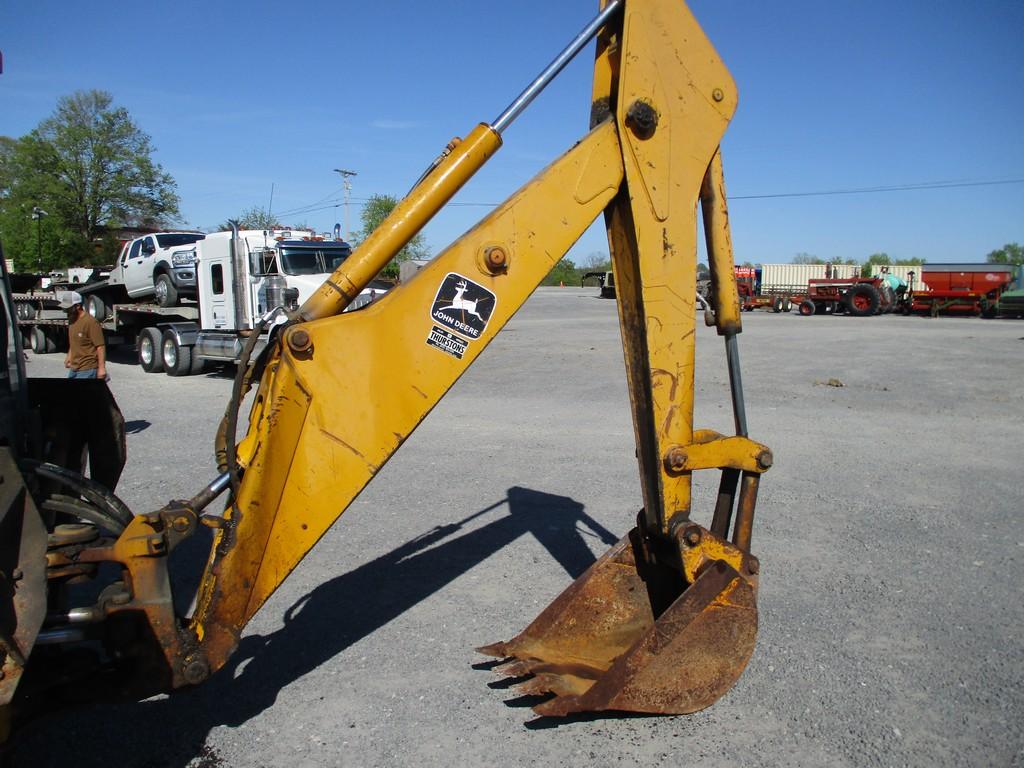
[(240, 276)]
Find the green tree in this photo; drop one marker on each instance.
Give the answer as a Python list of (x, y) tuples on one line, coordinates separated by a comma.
[(7, 147), (806, 258), (1011, 253), (596, 261), (884, 260), (90, 167), (375, 210), (256, 217), (564, 272)]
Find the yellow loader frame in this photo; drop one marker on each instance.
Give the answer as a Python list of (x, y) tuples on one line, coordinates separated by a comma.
[(666, 620)]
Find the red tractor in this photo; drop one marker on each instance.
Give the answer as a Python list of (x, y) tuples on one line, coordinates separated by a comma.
[(857, 296)]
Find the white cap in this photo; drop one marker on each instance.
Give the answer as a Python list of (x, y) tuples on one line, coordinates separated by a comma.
[(68, 299)]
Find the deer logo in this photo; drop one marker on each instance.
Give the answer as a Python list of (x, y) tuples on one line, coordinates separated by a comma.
[(467, 306), (463, 306)]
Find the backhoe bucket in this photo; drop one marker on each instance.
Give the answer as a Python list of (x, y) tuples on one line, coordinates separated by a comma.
[(599, 647)]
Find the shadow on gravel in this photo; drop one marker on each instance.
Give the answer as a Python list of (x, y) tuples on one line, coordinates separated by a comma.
[(122, 354), (135, 426), (171, 732)]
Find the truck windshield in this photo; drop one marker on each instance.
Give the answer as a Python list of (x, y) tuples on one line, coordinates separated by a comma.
[(313, 258), (181, 238)]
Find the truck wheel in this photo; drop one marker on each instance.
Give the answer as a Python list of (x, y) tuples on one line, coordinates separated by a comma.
[(179, 360), (96, 307), (150, 354), (777, 304), (862, 300), (787, 304), (806, 308), (166, 293), (42, 343)]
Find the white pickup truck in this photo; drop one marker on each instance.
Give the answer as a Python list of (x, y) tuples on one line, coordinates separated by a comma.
[(161, 265)]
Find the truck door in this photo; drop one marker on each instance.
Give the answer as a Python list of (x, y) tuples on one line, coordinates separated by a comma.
[(138, 272), (215, 307)]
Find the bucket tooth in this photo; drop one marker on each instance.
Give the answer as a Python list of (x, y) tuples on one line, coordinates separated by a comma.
[(517, 667), (558, 683), (539, 685), (497, 650)]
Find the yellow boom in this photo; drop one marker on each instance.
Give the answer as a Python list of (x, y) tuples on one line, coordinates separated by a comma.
[(666, 620)]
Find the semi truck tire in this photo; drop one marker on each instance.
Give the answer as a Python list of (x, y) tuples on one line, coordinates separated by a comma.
[(150, 353), (806, 308), (166, 293), (179, 360), (787, 304), (777, 304), (862, 300), (42, 343)]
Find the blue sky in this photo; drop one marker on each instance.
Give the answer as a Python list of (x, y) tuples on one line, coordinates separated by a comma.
[(834, 95)]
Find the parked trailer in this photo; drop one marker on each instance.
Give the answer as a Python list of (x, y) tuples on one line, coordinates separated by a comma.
[(780, 287), (606, 281), (960, 289), (44, 326)]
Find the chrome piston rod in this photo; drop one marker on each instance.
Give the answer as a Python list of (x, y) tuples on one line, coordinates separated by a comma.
[(513, 110)]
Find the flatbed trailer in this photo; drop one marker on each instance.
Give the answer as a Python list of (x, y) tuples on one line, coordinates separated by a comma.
[(776, 298), (44, 326)]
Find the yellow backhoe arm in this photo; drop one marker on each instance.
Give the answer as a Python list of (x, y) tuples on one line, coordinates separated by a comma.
[(666, 620)]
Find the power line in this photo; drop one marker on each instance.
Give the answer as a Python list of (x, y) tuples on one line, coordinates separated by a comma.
[(907, 187), (892, 188)]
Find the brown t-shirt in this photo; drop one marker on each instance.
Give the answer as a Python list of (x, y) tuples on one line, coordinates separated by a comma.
[(84, 335)]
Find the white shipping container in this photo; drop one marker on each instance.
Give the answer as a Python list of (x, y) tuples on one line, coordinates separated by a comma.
[(794, 277)]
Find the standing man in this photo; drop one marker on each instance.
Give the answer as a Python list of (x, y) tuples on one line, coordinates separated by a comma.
[(87, 353)]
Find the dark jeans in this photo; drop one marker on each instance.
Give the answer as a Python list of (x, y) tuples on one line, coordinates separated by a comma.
[(87, 374)]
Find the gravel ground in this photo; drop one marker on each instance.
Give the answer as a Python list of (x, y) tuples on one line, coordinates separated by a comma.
[(888, 530)]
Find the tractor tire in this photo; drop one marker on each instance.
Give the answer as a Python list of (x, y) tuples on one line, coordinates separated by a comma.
[(777, 304), (97, 307), (806, 308), (787, 304), (166, 293), (150, 351), (862, 300)]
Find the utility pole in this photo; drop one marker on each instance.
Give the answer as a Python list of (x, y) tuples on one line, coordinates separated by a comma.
[(37, 214), (345, 176)]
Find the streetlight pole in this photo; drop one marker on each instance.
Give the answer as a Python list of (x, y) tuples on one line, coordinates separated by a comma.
[(345, 175), (37, 214)]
